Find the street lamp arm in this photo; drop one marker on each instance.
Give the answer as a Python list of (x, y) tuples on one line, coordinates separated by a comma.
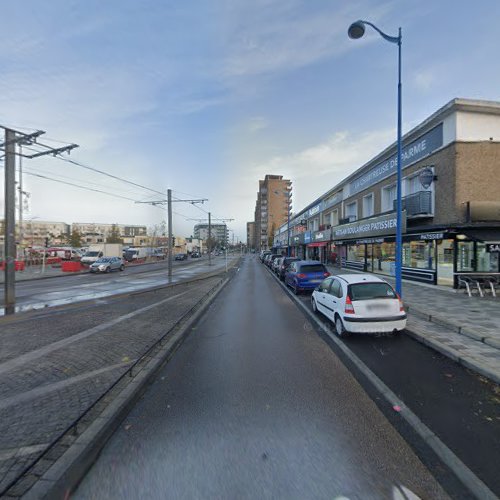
[(385, 36)]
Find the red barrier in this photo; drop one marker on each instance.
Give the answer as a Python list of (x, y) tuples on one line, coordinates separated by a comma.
[(69, 266), (19, 265), (54, 260)]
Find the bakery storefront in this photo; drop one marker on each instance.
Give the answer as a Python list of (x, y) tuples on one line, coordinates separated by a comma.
[(434, 257)]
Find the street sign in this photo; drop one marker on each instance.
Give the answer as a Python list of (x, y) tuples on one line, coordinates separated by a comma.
[(493, 247)]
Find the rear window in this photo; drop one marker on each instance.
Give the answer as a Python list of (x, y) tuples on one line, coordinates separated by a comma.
[(312, 268), (367, 291)]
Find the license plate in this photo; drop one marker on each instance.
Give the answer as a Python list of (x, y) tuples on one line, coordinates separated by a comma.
[(377, 307), (315, 281)]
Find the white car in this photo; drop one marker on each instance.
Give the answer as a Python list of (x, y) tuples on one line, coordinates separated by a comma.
[(359, 303)]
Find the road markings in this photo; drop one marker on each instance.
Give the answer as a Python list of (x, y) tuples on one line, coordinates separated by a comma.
[(37, 353)]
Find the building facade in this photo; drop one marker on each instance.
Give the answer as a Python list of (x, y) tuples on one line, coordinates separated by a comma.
[(218, 231), (451, 203), (93, 233), (251, 236), (272, 208)]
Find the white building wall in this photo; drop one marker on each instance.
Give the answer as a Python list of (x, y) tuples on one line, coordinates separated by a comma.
[(478, 127)]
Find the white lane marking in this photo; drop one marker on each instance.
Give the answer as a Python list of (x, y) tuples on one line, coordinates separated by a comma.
[(45, 389), (42, 351)]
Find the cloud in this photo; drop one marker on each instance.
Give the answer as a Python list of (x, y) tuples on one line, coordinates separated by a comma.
[(424, 79), (318, 168), (257, 123)]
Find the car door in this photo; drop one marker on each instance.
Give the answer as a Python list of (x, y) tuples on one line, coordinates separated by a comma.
[(321, 293), (289, 273), (333, 298)]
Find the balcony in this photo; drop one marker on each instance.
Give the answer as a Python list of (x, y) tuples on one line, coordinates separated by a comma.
[(348, 219), (417, 204)]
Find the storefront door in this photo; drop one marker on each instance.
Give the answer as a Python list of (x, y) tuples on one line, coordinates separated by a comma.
[(445, 262)]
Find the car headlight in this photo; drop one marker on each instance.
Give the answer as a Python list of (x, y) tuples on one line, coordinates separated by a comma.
[(102, 268)]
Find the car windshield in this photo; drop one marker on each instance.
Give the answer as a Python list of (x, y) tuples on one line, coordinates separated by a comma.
[(103, 260), (312, 268), (367, 291)]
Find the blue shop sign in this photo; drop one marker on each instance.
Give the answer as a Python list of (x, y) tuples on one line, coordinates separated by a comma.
[(411, 153), (307, 237)]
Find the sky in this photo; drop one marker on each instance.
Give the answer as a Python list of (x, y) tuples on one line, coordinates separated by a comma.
[(206, 97)]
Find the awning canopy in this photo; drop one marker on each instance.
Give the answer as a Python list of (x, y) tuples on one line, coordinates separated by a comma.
[(317, 244), (479, 234)]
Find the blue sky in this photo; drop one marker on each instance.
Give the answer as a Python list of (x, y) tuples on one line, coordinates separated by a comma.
[(206, 97)]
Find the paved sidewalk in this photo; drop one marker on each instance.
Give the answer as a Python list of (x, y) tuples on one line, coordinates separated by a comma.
[(466, 329)]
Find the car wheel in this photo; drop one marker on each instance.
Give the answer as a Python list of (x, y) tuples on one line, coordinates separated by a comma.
[(122, 268), (296, 290), (314, 306), (108, 269), (339, 327)]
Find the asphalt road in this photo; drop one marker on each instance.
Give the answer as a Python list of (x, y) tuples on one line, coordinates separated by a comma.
[(256, 405), (66, 289)]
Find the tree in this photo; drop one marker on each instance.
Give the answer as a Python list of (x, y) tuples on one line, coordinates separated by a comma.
[(114, 236), (270, 239), (211, 243), (74, 239)]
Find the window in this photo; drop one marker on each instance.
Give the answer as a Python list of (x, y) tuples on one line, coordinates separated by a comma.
[(367, 291), (351, 211), (368, 205), (335, 218), (336, 289), (389, 194), (325, 286)]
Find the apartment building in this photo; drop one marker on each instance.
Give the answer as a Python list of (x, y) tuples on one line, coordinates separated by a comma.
[(93, 233), (251, 235), (272, 209), (451, 203), (218, 231), (36, 232)]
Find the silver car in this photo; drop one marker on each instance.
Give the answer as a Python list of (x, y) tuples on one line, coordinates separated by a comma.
[(107, 264)]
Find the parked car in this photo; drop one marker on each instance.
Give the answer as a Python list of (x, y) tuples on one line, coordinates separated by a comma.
[(180, 256), (195, 255), (303, 275), (271, 259), (359, 303), (285, 262), (106, 265), (263, 255), (276, 264)]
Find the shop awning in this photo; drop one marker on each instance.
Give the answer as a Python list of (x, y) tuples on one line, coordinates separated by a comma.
[(480, 234), (317, 244)]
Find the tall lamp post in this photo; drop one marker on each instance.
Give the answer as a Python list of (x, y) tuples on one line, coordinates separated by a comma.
[(357, 30)]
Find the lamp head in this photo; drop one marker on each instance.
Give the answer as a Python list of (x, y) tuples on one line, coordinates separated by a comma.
[(356, 30)]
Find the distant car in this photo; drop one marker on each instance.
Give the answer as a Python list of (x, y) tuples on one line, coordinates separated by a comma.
[(106, 265), (285, 262), (181, 256), (303, 275), (195, 255), (263, 255), (359, 303)]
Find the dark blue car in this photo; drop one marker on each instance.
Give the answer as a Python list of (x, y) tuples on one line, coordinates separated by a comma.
[(305, 275)]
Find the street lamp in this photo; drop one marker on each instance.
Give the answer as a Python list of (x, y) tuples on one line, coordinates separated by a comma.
[(357, 30)]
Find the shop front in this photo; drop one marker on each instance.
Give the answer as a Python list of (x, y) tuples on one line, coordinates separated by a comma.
[(317, 247), (298, 246), (437, 257)]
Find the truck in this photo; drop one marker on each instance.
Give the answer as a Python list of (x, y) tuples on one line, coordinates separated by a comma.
[(138, 253), (102, 250)]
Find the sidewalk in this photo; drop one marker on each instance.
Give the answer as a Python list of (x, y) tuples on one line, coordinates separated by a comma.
[(466, 329)]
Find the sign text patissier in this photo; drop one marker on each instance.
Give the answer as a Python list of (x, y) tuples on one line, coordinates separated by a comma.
[(377, 226)]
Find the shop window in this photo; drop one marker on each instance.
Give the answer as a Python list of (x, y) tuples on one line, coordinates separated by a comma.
[(465, 256), (368, 205), (384, 256), (335, 218), (486, 262), (356, 253), (419, 254)]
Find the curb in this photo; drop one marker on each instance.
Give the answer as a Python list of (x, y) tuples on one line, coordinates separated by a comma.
[(453, 354), (65, 474), (455, 327)]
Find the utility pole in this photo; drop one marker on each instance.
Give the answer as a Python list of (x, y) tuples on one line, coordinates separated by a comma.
[(10, 221), (209, 239), (13, 137), (170, 246), (169, 202)]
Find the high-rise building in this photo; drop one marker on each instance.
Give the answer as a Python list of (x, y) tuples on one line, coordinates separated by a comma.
[(272, 209), (251, 235)]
